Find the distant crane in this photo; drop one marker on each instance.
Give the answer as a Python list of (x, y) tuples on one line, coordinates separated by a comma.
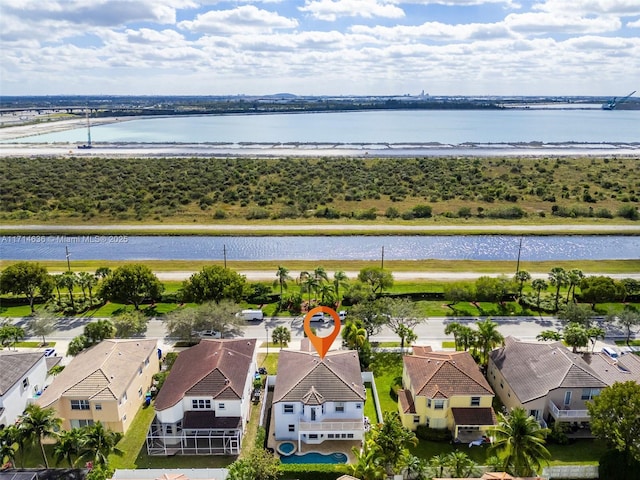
[(614, 102), (88, 144)]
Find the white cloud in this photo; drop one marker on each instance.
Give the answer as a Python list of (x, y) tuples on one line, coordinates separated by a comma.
[(583, 7), (243, 18), (330, 10), (635, 24), (544, 22)]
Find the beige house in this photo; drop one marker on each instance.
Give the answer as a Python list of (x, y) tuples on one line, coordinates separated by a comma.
[(445, 390), (546, 379), (105, 383)]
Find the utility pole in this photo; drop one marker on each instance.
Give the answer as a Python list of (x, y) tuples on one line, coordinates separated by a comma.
[(518, 262), (66, 248), (382, 262), (224, 253)]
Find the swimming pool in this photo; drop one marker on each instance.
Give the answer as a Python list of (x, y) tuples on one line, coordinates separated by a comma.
[(286, 448), (315, 457)]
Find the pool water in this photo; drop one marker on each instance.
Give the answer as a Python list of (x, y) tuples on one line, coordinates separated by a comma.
[(286, 448), (314, 457)]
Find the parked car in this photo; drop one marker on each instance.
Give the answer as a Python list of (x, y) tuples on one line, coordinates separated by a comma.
[(209, 334), (49, 352), (342, 314), (317, 317)]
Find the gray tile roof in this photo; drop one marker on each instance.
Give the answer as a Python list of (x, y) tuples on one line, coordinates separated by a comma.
[(532, 369), (14, 366), (304, 377), (622, 369), (213, 368)]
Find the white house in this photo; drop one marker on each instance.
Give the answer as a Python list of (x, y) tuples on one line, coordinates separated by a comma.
[(22, 379), (318, 399), (203, 406)]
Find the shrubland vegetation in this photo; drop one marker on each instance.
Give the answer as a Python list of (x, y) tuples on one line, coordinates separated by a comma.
[(195, 189)]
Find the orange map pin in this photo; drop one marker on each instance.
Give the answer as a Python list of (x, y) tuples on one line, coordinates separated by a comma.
[(322, 344)]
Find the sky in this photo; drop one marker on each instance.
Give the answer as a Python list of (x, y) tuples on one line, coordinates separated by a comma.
[(319, 47)]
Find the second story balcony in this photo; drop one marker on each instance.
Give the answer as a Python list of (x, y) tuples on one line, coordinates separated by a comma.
[(332, 426), (565, 414)]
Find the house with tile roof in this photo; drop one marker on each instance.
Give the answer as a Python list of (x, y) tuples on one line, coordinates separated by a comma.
[(317, 399), (203, 405), (105, 383), (546, 379), (445, 390), (22, 379)]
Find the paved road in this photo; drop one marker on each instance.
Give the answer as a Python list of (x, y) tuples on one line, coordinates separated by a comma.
[(431, 332)]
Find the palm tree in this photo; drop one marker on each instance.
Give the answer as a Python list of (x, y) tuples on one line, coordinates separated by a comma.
[(488, 338), (437, 464), (11, 440), (58, 281), (558, 278), (519, 443), (393, 440), (460, 465), (467, 337), (282, 277), (320, 274), (521, 277), (87, 281), (38, 423), (354, 334), (595, 334), (69, 446), (368, 465), (326, 293), (453, 328), (310, 284), (546, 335), (538, 285), (69, 281), (574, 277), (415, 468), (99, 444), (407, 336), (281, 335), (340, 279)]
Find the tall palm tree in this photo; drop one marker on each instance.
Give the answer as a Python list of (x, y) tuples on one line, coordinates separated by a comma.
[(558, 278), (488, 338), (321, 276), (574, 277), (69, 281), (453, 328), (539, 285), (467, 337), (310, 284), (99, 444), (38, 423), (519, 443), (282, 277), (521, 277), (10, 443), (58, 282), (340, 279), (69, 446), (460, 465), (87, 281)]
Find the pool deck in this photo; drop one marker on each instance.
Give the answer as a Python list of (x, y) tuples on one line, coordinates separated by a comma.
[(327, 447)]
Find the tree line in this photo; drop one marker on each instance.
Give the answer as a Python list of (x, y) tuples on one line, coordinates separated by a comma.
[(114, 189)]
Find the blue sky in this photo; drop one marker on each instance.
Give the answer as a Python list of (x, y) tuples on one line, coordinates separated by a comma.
[(319, 47)]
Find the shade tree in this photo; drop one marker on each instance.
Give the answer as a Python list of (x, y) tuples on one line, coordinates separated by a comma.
[(132, 283), (28, 279)]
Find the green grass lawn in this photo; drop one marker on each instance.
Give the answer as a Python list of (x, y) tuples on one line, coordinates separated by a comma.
[(133, 441), (369, 405), (578, 452), (633, 343), (270, 362), (386, 368)]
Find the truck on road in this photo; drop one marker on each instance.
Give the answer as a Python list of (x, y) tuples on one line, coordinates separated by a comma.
[(251, 315)]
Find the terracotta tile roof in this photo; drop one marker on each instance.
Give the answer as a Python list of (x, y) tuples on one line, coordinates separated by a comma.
[(445, 374), (213, 368), (532, 369), (336, 378), (104, 371), (406, 401), (474, 416), (14, 366)]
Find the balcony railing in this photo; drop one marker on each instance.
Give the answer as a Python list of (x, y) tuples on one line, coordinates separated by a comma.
[(331, 426), (568, 415)]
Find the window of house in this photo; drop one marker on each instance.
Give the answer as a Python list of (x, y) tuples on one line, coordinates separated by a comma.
[(169, 429), (79, 404), (124, 417), (201, 404), (359, 406), (146, 362), (124, 397), (220, 406), (589, 393), (313, 436), (428, 403), (288, 408), (98, 406), (79, 423), (140, 392), (140, 371), (25, 382), (330, 435), (416, 419), (339, 407), (475, 401), (349, 435), (438, 404), (292, 427)]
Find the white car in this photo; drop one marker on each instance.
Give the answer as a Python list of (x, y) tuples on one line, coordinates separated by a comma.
[(342, 314), (209, 334)]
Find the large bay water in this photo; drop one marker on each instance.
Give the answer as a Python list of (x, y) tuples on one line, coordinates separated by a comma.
[(457, 247), (387, 126)]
